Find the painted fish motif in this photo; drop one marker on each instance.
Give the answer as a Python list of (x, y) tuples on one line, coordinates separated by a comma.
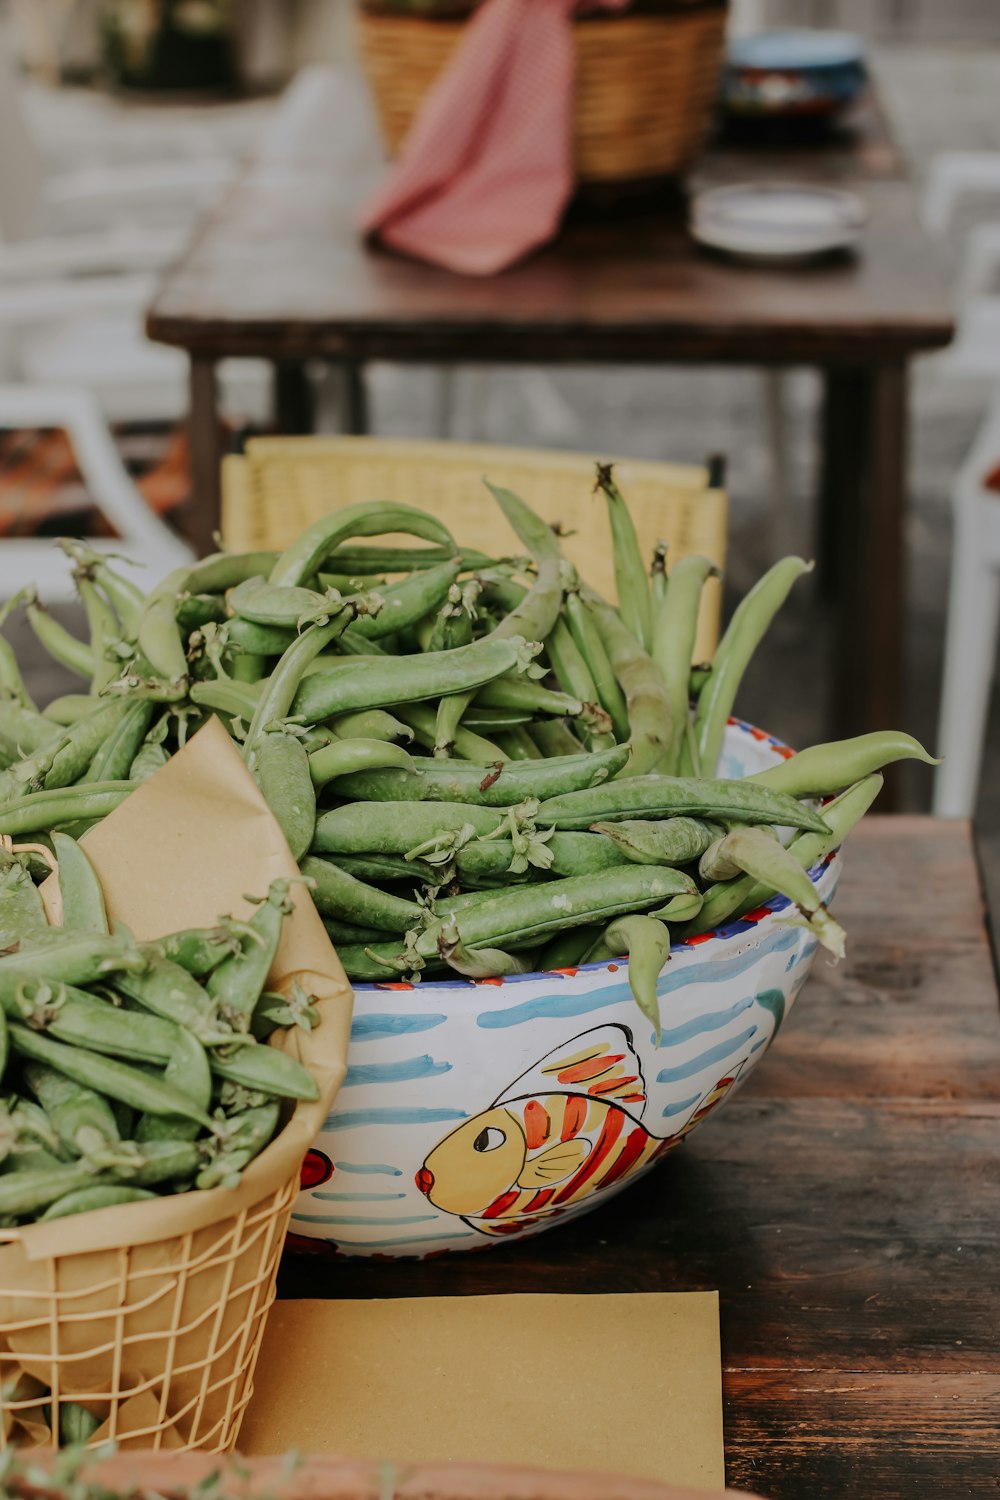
[(569, 1127)]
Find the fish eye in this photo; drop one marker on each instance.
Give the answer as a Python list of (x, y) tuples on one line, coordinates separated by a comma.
[(489, 1139)]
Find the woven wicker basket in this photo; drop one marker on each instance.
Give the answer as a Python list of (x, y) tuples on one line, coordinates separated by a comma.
[(282, 485), (645, 83)]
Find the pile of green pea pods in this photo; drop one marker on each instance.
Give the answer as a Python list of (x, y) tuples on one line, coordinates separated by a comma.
[(130, 1070), (482, 766)]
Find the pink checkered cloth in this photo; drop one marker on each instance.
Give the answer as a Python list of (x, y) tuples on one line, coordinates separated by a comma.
[(486, 170)]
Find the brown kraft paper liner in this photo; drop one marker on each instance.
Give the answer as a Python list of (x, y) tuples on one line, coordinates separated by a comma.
[(151, 1285)]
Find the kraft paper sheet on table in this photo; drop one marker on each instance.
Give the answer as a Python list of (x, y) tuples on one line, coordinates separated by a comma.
[(627, 1383)]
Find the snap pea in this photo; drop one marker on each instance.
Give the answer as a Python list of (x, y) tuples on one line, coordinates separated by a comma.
[(26, 1192), (199, 949), (539, 910), (84, 1201), (80, 889), (758, 853), (174, 1162), (319, 542), (278, 692), (259, 640), (645, 797), (265, 1069), (150, 758), (424, 724), (394, 827), (587, 638), (159, 636), (188, 1071), (822, 769), (40, 811), (647, 943), (384, 868), (21, 910), (667, 841), (673, 647), (240, 699), (480, 963), (60, 958), (630, 574), (743, 634), (249, 668), (517, 744), (733, 897), (81, 1118), (196, 610), (114, 758), (246, 1135), (60, 643), (221, 571), (74, 1016), (171, 992), (568, 950), (106, 1076), (532, 698), (66, 709), (554, 737), (370, 724), (501, 784), (365, 561), (398, 681), (353, 757), (25, 730), (645, 694), (570, 854), (282, 770), (287, 607), (105, 632), (339, 894), (237, 983), (404, 603)]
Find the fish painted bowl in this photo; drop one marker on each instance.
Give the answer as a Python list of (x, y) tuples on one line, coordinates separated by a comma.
[(478, 1112)]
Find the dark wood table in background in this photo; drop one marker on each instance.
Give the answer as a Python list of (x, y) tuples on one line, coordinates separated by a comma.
[(279, 273), (846, 1205)]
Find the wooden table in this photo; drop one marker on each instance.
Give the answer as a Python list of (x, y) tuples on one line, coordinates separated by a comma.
[(846, 1205), (279, 273)]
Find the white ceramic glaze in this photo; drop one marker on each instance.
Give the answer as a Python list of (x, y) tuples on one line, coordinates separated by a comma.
[(520, 1058)]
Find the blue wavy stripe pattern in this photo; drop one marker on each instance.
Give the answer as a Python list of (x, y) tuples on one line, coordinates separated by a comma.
[(404, 1070), (705, 1059), (361, 1219), (357, 1197), (363, 1168), (349, 1118), (388, 1023)]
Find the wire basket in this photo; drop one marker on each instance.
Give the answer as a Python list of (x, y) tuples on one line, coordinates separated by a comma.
[(282, 485), (156, 1342), (645, 82)]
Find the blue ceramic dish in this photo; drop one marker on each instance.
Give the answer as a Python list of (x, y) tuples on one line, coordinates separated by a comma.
[(793, 73)]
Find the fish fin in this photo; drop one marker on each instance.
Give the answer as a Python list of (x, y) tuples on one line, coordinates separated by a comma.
[(598, 1064), (714, 1096), (555, 1164)]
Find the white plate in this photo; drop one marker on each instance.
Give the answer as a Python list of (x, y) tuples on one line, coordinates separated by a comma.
[(777, 221)]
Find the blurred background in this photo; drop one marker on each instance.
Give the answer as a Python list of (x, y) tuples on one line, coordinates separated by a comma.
[(87, 96)]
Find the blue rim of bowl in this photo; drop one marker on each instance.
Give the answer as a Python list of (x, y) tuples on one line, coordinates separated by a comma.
[(739, 927)]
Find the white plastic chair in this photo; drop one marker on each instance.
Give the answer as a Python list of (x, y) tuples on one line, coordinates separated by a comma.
[(973, 614), (141, 533)]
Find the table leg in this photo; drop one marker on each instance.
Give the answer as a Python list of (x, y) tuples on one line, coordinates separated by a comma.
[(293, 399), (866, 530), (355, 421), (206, 440)]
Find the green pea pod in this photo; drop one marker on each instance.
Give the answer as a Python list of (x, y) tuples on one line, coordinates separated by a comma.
[(673, 647), (115, 757), (172, 993), (263, 603), (338, 894), (648, 797), (398, 681), (645, 693), (41, 811), (759, 855), (80, 890), (159, 637), (482, 963), (555, 738), (245, 1137), (353, 756), (667, 841), (173, 1162), (364, 562), (196, 610), (518, 745), (370, 724), (25, 1192), (199, 950), (280, 689), (568, 950), (238, 982), (406, 602), (823, 769), (4, 1044), (587, 638), (105, 631), (58, 958), (76, 1017), (734, 897), (115, 1080), (384, 868), (81, 1118), (424, 723), (25, 730), (21, 911), (498, 785), (266, 1069), (318, 542), (149, 759), (630, 573), (395, 827), (568, 854), (259, 640), (647, 943), (188, 1071), (66, 709), (85, 1201), (282, 771), (60, 643), (743, 634), (537, 911)]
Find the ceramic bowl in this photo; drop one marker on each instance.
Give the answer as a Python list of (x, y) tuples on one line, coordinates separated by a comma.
[(478, 1112), (782, 74)]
